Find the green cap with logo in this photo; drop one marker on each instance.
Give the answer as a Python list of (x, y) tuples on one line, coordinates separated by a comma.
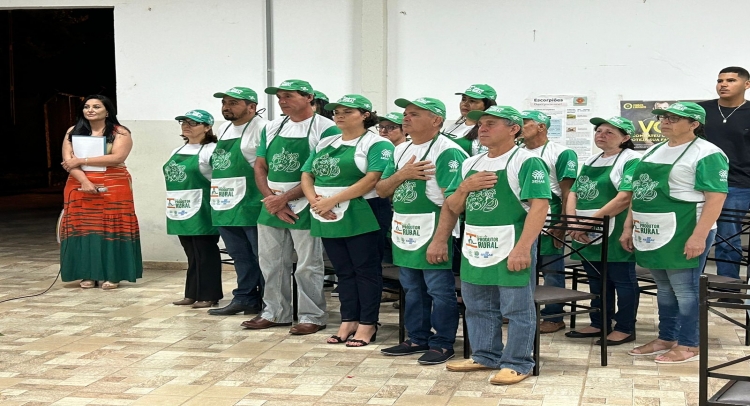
[(320, 95), (537, 116), (684, 109), (480, 91), (506, 112), (395, 118), (620, 122), (356, 101), (199, 116), (242, 93), (427, 103), (292, 85)]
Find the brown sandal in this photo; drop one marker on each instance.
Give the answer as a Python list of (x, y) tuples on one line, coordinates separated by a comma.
[(650, 348), (679, 355)]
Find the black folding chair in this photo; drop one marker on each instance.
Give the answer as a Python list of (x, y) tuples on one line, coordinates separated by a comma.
[(544, 295), (737, 390)]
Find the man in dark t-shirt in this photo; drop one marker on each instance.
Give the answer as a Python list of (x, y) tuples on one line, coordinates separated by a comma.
[(728, 126)]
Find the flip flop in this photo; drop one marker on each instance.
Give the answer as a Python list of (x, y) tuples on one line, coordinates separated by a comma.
[(682, 358), (649, 349), (109, 286), (87, 284)]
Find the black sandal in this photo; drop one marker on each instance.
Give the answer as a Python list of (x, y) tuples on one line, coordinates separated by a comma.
[(363, 343), (340, 340)]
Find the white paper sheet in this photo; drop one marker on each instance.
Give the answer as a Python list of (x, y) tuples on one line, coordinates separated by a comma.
[(86, 146)]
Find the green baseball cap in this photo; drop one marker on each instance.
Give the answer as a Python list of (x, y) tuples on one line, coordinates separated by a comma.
[(356, 101), (620, 122), (480, 91), (292, 84), (498, 111), (320, 95), (427, 103), (537, 116), (242, 93), (684, 109), (395, 118), (199, 116)]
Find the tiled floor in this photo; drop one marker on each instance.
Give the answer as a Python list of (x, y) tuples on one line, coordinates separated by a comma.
[(130, 346)]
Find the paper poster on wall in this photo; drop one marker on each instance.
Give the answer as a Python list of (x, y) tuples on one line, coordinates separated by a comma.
[(647, 128), (569, 123)]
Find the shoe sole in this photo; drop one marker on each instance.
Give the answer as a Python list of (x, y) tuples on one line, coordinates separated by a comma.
[(508, 382), (691, 359), (436, 362), (637, 354), (402, 353)]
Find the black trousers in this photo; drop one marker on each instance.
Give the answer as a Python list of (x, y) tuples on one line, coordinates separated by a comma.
[(360, 274), (203, 281)]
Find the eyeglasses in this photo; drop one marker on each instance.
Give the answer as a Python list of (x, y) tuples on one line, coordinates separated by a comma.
[(387, 128), (671, 119), (190, 123)]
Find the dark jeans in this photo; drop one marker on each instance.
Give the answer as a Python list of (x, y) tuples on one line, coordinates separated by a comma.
[(430, 304), (737, 199), (242, 246), (621, 280), (358, 269), (203, 280), (383, 211), (553, 276)]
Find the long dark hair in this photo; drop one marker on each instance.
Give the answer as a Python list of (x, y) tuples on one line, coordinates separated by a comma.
[(319, 104), (474, 132), (83, 127)]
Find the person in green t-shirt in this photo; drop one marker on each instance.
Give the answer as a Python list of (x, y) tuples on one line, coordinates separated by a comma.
[(679, 187), (464, 130), (339, 180), (284, 220), (416, 177), (604, 188), (505, 194), (562, 163)]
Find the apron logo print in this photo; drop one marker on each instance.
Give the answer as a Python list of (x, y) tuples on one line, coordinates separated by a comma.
[(587, 188), (324, 165), (483, 200), (220, 159), (723, 174), (571, 165), (175, 172), (405, 192), (643, 188), (640, 227), (537, 176), (453, 165), (221, 191), (485, 254), (285, 161), (385, 154)]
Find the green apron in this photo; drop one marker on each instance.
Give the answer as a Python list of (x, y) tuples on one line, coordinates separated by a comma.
[(188, 209), (494, 222), (471, 147), (546, 242), (415, 219), (335, 171), (284, 174), (662, 224), (235, 199), (594, 191)]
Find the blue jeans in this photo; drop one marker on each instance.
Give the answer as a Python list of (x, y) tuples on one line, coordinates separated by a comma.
[(485, 308), (242, 246), (620, 279), (430, 297), (677, 297), (737, 199), (556, 279)]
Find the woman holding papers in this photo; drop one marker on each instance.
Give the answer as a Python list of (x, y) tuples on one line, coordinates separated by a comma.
[(99, 233), (188, 177)]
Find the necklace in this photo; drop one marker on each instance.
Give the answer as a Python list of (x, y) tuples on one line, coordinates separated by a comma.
[(730, 114)]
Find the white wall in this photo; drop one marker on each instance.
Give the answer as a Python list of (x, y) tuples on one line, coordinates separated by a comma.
[(171, 56), (609, 49)]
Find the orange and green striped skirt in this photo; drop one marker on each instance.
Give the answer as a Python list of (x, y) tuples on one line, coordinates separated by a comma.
[(99, 235)]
